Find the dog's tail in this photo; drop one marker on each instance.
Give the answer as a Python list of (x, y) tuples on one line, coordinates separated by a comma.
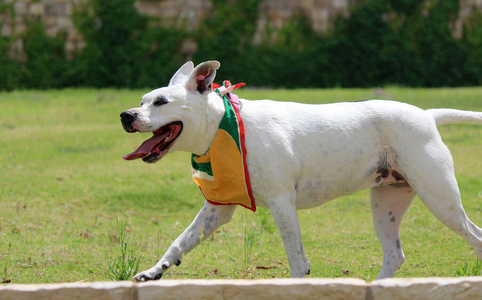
[(444, 116)]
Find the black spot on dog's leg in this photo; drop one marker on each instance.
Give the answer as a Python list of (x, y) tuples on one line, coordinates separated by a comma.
[(390, 213), (178, 263), (397, 243), (158, 276), (392, 219)]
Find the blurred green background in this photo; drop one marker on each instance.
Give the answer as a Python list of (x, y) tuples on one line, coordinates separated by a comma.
[(365, 43)]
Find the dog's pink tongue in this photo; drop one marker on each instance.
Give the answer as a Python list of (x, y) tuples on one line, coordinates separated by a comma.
[(147, 147)]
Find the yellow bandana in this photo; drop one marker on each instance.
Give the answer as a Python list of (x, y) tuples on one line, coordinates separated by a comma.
[(222, 173)]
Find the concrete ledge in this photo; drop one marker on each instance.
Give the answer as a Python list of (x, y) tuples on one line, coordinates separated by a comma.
[(265, 289), (277, 289), (60, 291), (427, 288)]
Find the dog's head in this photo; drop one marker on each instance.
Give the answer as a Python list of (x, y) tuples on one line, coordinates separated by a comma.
[(166, 111)]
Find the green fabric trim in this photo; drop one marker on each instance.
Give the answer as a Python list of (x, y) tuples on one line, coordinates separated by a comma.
[(203, 167), (229, 123)]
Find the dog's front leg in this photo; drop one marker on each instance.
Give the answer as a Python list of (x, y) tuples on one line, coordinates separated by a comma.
[(286, 218), (209, 218)]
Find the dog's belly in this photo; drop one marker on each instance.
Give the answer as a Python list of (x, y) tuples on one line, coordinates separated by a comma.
[(334, 174), (319, 187), (312, 193)]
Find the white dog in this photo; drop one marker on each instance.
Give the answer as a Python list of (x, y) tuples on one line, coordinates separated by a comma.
[(300, 156)]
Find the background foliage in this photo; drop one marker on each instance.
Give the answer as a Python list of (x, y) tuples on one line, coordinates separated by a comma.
[(384, 42)]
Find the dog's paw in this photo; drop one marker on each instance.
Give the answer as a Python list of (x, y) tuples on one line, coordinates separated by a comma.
[(156, 272), (147, 276)]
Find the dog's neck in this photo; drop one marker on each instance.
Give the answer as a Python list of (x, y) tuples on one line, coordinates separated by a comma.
[(210, 112)]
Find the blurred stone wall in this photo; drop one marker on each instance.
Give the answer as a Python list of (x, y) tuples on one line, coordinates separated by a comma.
[(273, 14)]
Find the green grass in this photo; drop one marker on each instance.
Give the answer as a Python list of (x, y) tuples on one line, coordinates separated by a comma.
[(469, 269), (126, 265), (63, 185)]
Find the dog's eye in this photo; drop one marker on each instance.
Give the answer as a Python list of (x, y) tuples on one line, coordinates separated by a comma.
[(160, 101)]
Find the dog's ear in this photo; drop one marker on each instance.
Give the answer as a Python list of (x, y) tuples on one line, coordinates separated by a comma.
[(182, 75), (202, 77)]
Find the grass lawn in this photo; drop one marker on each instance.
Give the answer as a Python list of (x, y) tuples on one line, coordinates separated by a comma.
[(64, 184)]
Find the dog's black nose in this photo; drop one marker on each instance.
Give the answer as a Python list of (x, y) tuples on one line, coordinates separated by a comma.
[(127, 118)]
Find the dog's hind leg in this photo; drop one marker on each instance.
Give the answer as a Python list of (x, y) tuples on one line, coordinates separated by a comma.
[(209, 218), (431, 174), (286, 218), (388, 205)]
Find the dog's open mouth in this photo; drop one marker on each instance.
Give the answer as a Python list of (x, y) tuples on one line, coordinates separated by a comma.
[(157, 146)]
